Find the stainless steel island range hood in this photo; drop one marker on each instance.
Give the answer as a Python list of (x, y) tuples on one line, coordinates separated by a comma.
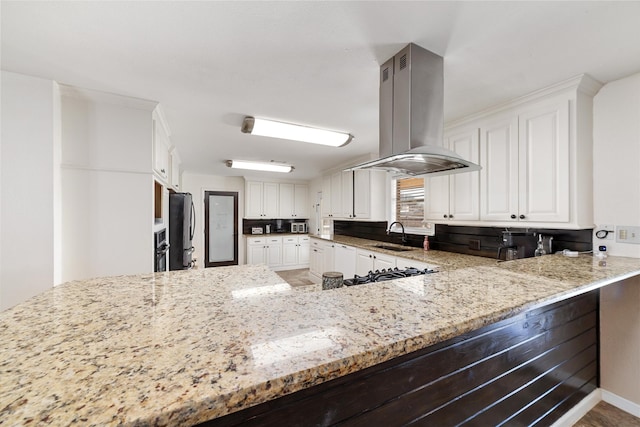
[(412, 117)]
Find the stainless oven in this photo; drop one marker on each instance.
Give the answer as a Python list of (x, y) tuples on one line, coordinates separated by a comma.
[(160, 246)]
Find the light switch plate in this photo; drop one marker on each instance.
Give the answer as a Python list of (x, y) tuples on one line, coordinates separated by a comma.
[(628, 234)]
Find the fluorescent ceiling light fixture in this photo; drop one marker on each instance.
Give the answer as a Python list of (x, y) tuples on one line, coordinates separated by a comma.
[(282, 130), (259, 166)]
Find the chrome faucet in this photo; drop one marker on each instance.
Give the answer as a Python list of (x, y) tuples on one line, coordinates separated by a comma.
[(404, 236)]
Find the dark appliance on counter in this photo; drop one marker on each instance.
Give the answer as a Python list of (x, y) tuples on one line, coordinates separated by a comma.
[(160, 246), (517, 244), (384, 275), (182, 223)]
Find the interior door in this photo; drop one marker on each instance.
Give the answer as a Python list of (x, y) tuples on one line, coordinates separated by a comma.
[(221, 228)]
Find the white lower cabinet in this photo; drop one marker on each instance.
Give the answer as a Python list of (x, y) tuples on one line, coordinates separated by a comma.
[(321, 257), (345, 260), (264, 250), (295, 251), (315, 261), (367, 261), (328, 257), (279, 253)]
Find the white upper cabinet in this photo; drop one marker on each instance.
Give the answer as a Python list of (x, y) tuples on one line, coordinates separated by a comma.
[(287, 201), (537, 161), (161, 146), (544, 162), (455, 197), (300, 201), (293, 201), (335, 195), (499, 175), (326, 196), (261, 200), (270, 200), (525, 160), (347, 195), (360, 194), (175, 169), (253, 203)]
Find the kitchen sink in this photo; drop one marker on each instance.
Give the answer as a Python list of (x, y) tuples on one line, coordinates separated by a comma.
[(393, 248)]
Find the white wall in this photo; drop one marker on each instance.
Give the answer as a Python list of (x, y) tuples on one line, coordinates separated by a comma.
[(616, 171), (29, 108), (197, 184), (620, 341), (616, 160)]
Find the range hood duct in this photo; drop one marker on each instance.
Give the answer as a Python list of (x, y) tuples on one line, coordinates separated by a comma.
[(412, 117)]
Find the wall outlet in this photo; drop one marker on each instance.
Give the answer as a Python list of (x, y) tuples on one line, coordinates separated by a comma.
[(628, 234), (474, 244)]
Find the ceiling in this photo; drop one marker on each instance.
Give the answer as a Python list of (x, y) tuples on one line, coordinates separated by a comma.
[(316, 63)]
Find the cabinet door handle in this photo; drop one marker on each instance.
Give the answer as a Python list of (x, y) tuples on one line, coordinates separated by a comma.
[(521, 216), (451, 216), (446, 216), (513, 216), (374, 257)]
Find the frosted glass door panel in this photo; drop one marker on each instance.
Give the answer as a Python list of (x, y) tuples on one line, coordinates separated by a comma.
[(221, 237)]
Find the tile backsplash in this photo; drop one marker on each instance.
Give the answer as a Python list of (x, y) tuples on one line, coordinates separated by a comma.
[(277, 225), (455, 238)]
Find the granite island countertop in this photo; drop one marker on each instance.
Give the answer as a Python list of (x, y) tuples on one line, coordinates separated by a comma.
[(178, 348)]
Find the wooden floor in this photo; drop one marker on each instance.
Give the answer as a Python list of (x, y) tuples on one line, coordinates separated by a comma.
[(606, 415)]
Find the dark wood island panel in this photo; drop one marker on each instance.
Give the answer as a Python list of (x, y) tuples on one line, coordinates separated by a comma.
[(526, 370)]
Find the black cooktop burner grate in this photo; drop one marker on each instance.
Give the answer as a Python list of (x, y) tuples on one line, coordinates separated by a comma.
[(386, 274)]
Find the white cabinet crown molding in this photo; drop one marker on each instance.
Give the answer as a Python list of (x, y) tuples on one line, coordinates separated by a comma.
[(107, 98), (583, 83)]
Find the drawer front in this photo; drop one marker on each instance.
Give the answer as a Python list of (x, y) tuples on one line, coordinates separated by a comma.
[(291, 240), (256, 240)]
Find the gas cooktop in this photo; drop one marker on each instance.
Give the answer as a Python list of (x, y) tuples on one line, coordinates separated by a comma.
[(386, 274)]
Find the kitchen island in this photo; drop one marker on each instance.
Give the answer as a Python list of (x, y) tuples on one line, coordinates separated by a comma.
[(180, 348)]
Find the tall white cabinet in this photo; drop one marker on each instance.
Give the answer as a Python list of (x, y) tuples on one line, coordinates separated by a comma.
[(107, 184)]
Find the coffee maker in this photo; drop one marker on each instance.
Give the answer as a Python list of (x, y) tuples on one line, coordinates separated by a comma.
[(517, 244)]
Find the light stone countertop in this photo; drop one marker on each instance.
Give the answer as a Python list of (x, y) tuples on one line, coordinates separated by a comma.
[(179, 348)]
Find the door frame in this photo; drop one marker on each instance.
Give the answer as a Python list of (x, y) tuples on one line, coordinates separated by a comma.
[(233, 194)]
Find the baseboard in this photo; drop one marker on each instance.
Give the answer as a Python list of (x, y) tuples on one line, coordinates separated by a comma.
[(621, 402), (580, 410)]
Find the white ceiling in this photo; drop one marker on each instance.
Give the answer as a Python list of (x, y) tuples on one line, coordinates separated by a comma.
[(211, 63)]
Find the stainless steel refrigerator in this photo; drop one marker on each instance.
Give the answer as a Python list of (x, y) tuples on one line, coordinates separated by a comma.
[(182, 224)]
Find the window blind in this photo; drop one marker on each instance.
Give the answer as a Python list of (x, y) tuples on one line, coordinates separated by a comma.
[(410, 201)]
